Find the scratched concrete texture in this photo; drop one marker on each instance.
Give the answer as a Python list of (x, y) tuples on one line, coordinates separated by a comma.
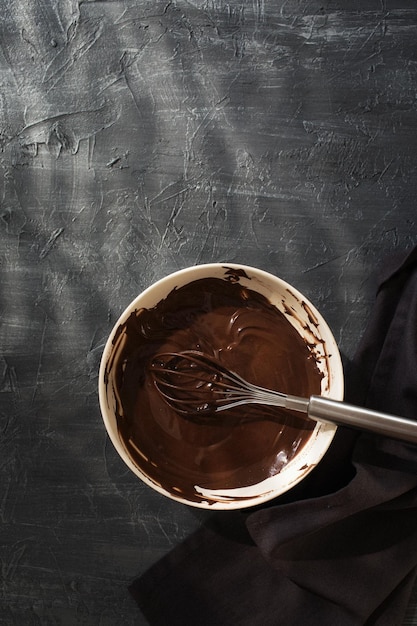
[(138, 138)]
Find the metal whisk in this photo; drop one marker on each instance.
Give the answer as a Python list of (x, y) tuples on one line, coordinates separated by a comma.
[(198, 387)]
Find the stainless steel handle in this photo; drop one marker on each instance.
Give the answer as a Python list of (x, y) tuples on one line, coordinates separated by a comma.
[(334, 412)]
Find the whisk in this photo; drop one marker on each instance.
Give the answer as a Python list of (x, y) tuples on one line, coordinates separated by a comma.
[(199, 387)]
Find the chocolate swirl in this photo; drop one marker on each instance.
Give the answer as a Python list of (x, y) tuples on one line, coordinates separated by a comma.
[(242, 329)]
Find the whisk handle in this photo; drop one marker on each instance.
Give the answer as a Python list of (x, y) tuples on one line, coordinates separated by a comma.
[(332, 411)]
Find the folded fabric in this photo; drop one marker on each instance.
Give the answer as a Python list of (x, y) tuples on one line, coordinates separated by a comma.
[(340, 549)]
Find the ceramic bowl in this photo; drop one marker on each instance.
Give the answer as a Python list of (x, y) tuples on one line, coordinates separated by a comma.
[(309, 324)]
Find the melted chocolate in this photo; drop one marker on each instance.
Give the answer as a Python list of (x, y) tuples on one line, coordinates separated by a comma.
[(247, 334)]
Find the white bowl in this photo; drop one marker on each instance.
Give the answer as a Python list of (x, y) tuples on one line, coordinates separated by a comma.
[(307, 321)]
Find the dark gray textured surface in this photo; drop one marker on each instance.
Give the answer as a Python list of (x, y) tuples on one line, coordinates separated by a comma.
[(138, 138)]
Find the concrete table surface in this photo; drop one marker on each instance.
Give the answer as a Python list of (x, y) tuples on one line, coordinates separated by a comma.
[(138, 138)]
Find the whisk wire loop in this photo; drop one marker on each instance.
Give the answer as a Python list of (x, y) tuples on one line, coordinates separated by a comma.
[(193, 382)]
